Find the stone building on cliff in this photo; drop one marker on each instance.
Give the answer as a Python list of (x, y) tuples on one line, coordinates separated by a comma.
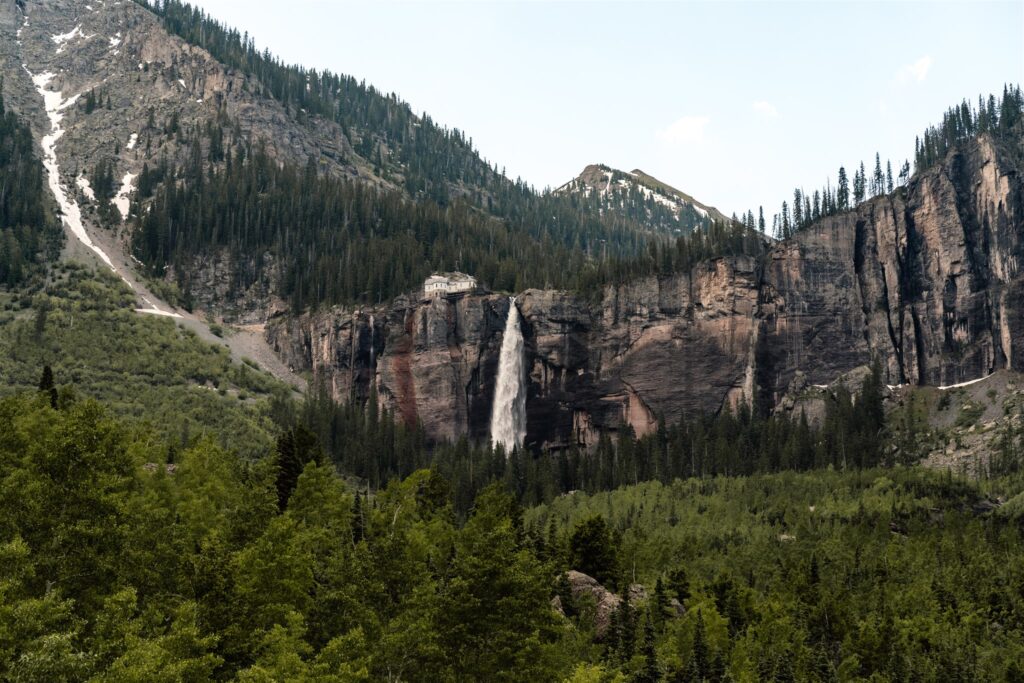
[(440, 284)]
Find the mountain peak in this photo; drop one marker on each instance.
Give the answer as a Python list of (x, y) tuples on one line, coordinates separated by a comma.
[(667, 207)]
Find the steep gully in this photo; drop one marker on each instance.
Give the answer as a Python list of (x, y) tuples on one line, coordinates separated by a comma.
[(246, 344), (926, 280)]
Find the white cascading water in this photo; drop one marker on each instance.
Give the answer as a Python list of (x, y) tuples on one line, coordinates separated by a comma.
[(508, 416), (373, 351)]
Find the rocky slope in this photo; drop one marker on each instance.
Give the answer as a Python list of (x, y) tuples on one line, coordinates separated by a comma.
[(927, 280), (153, 92), (639, 194), (101, 82), (119, 51)]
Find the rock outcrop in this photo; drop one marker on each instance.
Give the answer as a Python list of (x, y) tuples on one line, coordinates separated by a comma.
[(926, 279), (586, 589)]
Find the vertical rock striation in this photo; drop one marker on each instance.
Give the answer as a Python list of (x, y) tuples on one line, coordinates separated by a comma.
[(927, 280)]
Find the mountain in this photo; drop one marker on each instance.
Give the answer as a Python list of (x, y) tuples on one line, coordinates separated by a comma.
[(643, 197), (706, 490), (162, 114), (219, 182), (926, 280)]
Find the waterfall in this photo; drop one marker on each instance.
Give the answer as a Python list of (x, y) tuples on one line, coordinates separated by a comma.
[(373, 351), (508, 416)]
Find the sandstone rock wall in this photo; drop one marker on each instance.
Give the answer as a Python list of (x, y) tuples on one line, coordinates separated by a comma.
[(927, 280)]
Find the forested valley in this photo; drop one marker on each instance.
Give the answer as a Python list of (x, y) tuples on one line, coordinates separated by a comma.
[(333, 545), (168, 513), (124, 559)]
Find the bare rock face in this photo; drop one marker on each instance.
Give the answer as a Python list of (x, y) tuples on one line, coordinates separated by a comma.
[(656, 347), (433, 362), (927, 280), (587, 588)]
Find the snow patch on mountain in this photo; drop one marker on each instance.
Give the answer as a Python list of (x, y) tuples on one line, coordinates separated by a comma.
[(153, 309), (122, 201), (54, 103), (61, 39), (85, 187)]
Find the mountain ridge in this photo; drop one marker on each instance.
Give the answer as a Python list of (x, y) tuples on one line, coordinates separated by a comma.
[(926, 281), (654, 195), (201, 217)]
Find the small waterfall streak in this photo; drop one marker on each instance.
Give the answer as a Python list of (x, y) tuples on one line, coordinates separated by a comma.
[(373, 351), (508, 415)]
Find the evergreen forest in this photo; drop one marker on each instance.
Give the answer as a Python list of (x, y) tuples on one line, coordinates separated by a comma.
[(301, 540), (29, 232)]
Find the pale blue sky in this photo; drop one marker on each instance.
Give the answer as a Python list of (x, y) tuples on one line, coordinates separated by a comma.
[(734, 102)]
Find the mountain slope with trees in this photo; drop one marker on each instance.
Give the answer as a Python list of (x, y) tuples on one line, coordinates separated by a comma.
[(499, 225), (29, 233)]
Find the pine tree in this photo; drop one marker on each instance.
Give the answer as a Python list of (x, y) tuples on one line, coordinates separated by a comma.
[(296, 448), (698, 666), (592, 551), (679, 585), (660, 604), (843, 193), (878, 180), (358, 519), (47, 385), (651, 671), (46, 381)]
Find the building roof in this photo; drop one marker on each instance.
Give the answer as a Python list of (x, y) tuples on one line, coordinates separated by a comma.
[(450, 277)]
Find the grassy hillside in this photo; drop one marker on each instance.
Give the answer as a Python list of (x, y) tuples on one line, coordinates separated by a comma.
[(142, 367)]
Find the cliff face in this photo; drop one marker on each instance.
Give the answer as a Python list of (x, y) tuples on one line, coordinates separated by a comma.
[(433, 361), (928, 280), (650, 348)]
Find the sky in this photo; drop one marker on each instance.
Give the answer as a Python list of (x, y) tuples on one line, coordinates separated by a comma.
[(736, 103)]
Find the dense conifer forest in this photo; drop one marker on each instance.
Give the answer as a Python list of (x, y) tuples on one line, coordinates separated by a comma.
[(323, 240), (29, 233), (120, 565), (334, 241)]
